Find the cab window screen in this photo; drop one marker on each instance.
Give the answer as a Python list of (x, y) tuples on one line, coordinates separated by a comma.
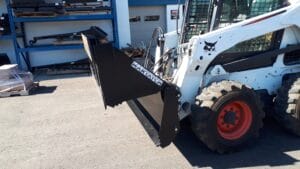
[(292, 58), (197, 19), (234, 11)]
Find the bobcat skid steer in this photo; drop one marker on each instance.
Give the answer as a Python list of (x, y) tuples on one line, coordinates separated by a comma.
[(228, 55)]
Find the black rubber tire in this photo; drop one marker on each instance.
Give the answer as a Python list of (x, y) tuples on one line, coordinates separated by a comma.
[(208, 106), (287, 105)]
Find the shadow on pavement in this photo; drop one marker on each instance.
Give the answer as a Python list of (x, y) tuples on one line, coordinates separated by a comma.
[(43, 90), (269, 150), (43, 76)]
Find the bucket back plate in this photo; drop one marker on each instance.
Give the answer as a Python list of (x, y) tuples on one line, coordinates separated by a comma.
[(154, 101)]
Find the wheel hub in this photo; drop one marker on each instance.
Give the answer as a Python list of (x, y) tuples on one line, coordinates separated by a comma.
[(234, 120), (230, 118)]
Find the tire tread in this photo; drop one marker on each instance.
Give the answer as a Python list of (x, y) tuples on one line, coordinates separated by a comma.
[(206, 100)]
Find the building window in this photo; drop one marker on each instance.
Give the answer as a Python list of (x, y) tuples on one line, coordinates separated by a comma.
[(152, 18), (174, 14), (135, 19)]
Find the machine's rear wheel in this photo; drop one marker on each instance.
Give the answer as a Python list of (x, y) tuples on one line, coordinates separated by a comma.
[(226, 115), (287, 105)]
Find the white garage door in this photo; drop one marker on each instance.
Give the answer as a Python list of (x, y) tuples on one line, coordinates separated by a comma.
[(143, 20)]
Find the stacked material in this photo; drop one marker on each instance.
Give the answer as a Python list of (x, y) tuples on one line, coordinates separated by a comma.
[(36, 8), (4, 25), (68, 38), (87, 5), (33, 8), (4, 59), (14, 82), (134, 52)]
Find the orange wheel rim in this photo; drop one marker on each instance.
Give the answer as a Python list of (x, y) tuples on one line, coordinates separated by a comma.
[(234, 120)]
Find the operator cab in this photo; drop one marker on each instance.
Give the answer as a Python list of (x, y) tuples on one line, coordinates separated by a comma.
[(203, 16), (206, 16)]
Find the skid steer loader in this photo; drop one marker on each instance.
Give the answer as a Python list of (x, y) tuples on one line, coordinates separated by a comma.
[(228, 56)]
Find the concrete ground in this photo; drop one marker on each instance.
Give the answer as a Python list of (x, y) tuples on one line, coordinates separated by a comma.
[(64, 125)]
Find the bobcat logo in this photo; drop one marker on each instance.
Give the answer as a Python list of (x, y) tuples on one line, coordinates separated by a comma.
[(210, 46)]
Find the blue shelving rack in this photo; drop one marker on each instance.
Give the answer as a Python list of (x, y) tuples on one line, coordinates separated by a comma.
[(25, 50), (5, 37)]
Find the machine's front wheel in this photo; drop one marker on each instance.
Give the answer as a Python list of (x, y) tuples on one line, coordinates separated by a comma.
[(226, 115)]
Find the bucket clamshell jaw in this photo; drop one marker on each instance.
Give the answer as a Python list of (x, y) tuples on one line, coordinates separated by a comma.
[(154, 101)]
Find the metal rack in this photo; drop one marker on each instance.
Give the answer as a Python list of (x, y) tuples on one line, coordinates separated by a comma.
[(24, 50), (5, 37)]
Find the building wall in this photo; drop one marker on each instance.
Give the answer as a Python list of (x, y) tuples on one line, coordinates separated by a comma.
[(172, 23), (123, 22), (142, 30), (55, 57), (153, 2)]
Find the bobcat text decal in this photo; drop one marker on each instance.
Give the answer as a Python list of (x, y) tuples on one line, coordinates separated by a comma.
[(147, 73)]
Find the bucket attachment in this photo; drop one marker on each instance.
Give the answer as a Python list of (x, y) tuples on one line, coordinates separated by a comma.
[(154, 101)]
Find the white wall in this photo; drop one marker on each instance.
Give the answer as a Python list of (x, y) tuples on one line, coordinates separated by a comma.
[(123, 23), (141, 31), (171, 24), (55, 57), (2, 6)]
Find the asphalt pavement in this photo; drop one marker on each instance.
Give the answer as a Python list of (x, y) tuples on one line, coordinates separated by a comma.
[(64, 125)]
